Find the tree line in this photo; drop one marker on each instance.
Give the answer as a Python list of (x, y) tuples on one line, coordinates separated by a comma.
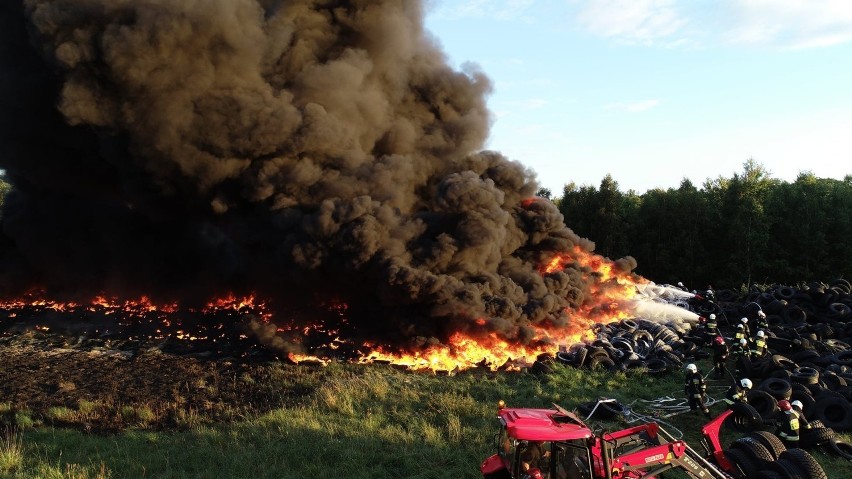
[(749, 228)]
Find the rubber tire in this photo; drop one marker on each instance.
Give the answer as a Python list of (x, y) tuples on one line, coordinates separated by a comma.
[(805, 462), (834, 412), (769, 475), (778, 388), (764, 403), (744, 418), (813, 437), (841, 448), (744, 465), (787, 469), (805, 375), (770, 441), (755, 449)]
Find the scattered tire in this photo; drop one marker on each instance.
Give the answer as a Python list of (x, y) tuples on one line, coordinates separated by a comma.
[(805, 462), (805, 375), (744, 418), (763, 403), (744, 465), (778, 388), (770, 441), (602, 362), (816, 436), (563, 357), (656, 366), (834, 412), (787, 469), (841, 448), (755, 449)]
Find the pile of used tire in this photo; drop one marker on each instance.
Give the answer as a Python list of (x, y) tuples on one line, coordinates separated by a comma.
[(760, 454), (631, 344), (809, 350), (809, 357)]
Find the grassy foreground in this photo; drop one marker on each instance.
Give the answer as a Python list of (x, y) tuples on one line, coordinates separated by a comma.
[(354, 422)]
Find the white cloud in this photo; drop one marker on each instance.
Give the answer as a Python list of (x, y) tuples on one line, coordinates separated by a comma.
[(788, 24), (500, 10), (643, 21), (634, 107), (794, 24), (535, 103)]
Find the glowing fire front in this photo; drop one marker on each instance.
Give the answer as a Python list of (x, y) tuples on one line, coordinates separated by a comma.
[(609, 295)]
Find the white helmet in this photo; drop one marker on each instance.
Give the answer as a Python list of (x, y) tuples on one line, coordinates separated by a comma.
[(797, 404), (761, 314), (712, 316), (680, 284), (740, 326), (743, 341), (744, 320), (692, 368), (746, 383), (761, 334)]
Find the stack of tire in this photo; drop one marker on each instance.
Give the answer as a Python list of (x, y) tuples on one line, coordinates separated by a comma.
[(632, 344), (761, 455), (810, 357)]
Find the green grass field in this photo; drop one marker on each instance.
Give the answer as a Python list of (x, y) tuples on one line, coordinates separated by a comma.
[(370, 422)]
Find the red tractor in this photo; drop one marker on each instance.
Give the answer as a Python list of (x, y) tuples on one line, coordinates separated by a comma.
[(556, 444)]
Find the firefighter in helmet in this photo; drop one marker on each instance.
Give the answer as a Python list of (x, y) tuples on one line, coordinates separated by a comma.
[(742, 357), (720, 356), (738, 391), (762, 323), (799, 408), (788, 424), (695, 389), (759, 347), (711, 325), (745, 329)]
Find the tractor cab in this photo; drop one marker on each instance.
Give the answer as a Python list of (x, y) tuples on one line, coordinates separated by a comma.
[(553, 441)]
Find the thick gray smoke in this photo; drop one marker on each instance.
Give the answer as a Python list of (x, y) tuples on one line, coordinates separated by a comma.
[(306, 150)]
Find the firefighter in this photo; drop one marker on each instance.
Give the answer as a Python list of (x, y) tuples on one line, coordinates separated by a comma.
[(739, 350), (788, 425), (799, 408), (680, 286), (745, 328), (720, 356), (695, 389), (740, 334), (711, 325), (762, 323), (759, 349), (738, 391)]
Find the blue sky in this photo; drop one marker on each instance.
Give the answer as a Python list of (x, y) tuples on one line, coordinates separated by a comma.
[(654, 91)]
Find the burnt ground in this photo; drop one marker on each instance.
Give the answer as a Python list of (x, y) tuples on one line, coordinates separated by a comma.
[(103, 385)]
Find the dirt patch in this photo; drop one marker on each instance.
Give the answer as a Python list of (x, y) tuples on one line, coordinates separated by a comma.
[(105, 387)]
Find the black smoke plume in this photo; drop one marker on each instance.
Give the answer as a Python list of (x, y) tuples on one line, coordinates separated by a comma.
[(309, 151)]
